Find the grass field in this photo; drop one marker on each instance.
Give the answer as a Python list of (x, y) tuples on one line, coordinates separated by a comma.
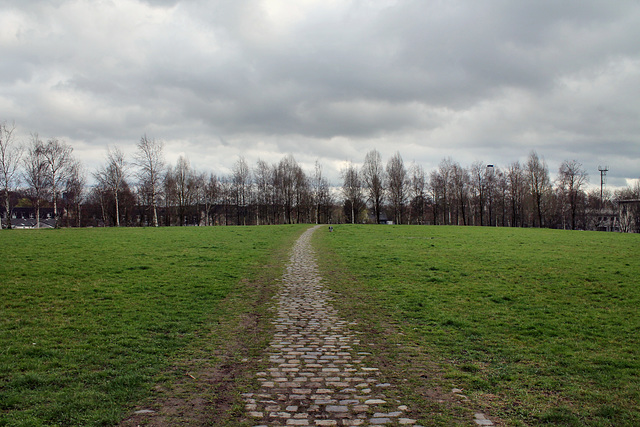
[(535, 326), (90, 318)]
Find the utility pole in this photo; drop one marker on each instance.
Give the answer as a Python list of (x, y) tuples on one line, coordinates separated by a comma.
[(603, 177)]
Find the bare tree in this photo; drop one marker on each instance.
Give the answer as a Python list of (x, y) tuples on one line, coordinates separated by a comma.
[(516, 188), (303, 196), (75, 189), (286, 179), (98, 196), (128, 201), (325, 202), (182, 177), (197, 185), (226, 194), (397, 184), (59, 161), (241, 189), (440, 185), (263, 178), (539, 184), (276, 197), (10, 155), (113, 176), (435, 187), (571, 179), (498, 188), (460, 182), (169, 190), (143, 193), (316, 185), (36, 173), (321, 195), (211, 195), (479, 186), (352, 191), (150, 160), (418, 184), (373, 178)]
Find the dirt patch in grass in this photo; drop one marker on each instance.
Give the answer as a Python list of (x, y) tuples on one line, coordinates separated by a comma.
[(205, 387)]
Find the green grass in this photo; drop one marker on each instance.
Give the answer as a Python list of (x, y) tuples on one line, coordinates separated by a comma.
[(91, 318), (536, 326)]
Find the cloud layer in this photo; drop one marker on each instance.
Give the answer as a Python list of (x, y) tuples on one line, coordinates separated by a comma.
[(329, 80)]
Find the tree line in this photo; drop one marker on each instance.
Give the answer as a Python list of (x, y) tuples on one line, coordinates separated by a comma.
[(520, 195), (146, 191)]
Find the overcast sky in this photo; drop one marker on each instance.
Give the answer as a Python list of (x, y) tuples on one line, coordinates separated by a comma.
[(329, 80)]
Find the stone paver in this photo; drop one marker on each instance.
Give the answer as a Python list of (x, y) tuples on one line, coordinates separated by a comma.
[(316, 377)]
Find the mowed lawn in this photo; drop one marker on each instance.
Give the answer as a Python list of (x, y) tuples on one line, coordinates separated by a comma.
[(90, 317), (535, 326)]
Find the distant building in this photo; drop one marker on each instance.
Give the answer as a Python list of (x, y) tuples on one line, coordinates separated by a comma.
[(384, 219), (26, 218), (605, 220)]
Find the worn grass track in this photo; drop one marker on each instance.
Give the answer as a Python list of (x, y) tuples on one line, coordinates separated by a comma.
[(93, 319), (535, 326)]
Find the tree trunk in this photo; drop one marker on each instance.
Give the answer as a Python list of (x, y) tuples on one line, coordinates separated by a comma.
[(117, 210), (55, 206), (38, 213), (8, 208), (155, 211)]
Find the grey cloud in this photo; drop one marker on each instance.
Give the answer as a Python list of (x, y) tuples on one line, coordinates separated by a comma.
[(464, 78)]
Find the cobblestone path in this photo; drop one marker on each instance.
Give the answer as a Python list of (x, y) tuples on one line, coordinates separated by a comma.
[(316, 377)]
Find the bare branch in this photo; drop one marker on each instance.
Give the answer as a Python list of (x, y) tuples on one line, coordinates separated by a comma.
[(10, 155)]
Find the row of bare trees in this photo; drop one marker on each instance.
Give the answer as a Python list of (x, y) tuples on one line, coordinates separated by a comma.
[(46, 168), (180, 195), (145, 190), (520, 195)]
